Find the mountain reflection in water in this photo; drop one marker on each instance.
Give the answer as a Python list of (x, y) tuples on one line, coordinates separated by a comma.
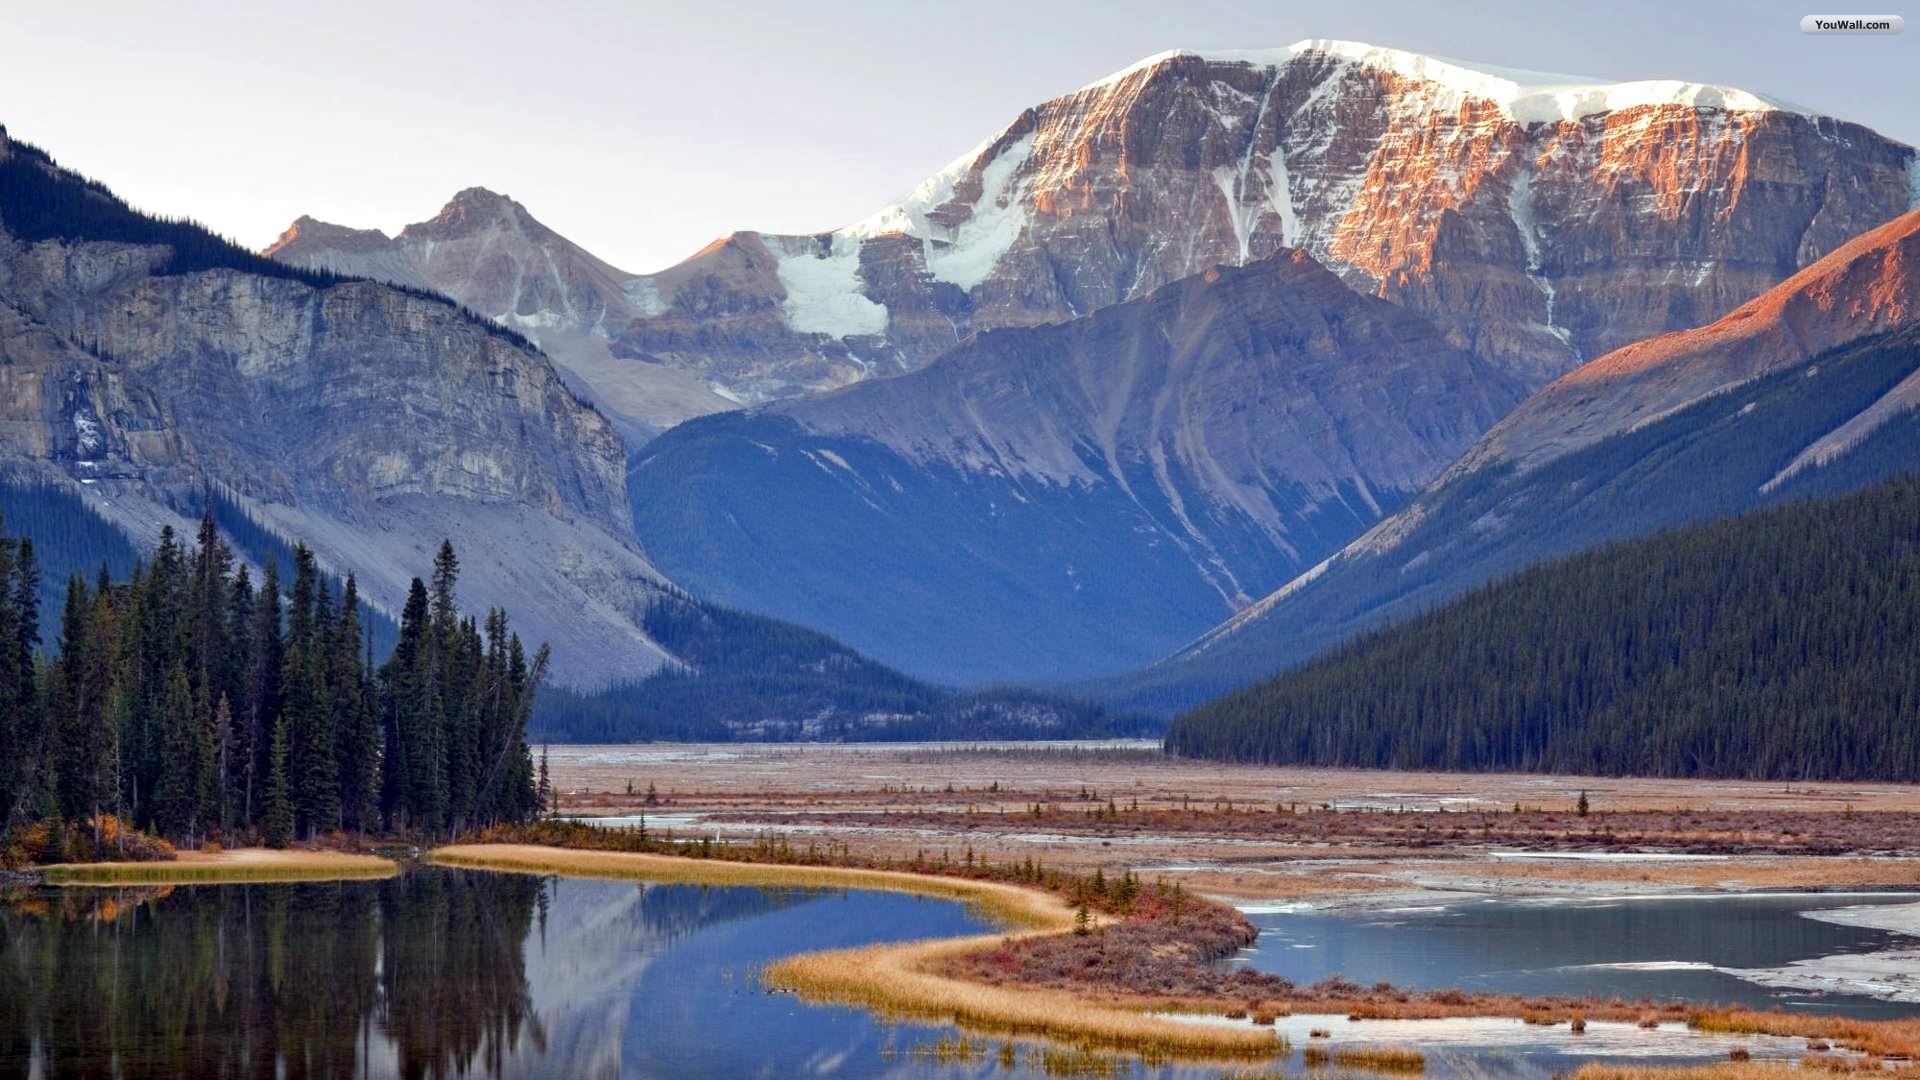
[(432, 973)]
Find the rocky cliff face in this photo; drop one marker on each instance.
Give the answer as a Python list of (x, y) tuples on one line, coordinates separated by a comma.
[(487, 252), (1812, 387), (1074, 498), (1538, 219), (366, 420), (1868, 286)]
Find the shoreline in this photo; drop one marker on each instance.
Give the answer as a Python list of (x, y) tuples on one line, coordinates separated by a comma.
[(911, 978), (898, 978), (919, 978), (236, 866)]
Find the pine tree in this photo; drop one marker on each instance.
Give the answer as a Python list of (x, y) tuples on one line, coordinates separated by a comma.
[(205, 763), (548, 804), (175, 797), (268, 649), (276, 814)]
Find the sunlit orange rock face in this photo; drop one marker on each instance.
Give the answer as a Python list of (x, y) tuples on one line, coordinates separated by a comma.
[(1867, 286), (1538, 234)]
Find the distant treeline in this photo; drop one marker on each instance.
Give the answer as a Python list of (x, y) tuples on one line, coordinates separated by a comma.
[(185, 700), (751, 677), (39, 200), (1780, 644)]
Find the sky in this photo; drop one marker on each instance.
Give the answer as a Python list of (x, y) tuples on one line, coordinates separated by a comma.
[(645, 130)]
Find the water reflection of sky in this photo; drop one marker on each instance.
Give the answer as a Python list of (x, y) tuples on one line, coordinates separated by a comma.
[(499, 975)]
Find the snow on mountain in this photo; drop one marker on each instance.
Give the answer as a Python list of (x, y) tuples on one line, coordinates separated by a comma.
[(1540, 218)]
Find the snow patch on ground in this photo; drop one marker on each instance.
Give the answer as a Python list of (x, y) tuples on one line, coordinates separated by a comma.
[(644, 295), (1899, 918), (539, 320), (1280, 196), (965, 254), (1466, 1036), (1609, 856), (87, 435), (1520, 208), (824, 291), (1893, 975)]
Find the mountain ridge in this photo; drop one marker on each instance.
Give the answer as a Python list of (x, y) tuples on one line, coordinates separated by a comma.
[(1072, 494), (1811, 387), (1539, 220)]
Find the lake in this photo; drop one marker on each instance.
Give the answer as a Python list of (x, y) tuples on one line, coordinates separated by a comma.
[(1700, 948), (444, 972)]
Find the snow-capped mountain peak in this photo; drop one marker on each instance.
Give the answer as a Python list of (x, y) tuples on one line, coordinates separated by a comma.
[(1521, 95)]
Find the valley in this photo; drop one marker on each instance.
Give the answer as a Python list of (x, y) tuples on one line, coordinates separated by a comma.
[(1261, 833), (1318, 561)]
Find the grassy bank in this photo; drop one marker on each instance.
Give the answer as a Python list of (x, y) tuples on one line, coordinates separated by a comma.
[(907, 979), (239, 865), (1025, 908)]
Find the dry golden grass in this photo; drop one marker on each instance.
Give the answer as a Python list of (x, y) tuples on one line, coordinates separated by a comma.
[(1728, 1070), (904, 980), (237, 866), (1896, 1040), (1008, 903), (1381, 1059)]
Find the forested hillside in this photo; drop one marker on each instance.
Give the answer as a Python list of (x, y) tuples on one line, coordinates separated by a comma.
[(187, 701), (751, 677), (68, 537), (1731, 452), (1780, 644)]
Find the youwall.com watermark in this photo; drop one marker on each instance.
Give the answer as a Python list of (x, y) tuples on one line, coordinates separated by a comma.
[(1852, 24)]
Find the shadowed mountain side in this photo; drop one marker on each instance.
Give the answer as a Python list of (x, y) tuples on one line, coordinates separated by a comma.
[(1072, 499)]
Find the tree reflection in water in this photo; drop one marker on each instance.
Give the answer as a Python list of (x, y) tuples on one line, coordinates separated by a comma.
[(423, 975)]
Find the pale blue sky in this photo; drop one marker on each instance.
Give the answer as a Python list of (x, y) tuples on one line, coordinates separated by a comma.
[(643, 130)]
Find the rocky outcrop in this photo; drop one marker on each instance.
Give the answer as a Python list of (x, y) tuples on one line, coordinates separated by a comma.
[(1810, 388), (1069, 499), (366, 420), (1867, 286), (487, 252)]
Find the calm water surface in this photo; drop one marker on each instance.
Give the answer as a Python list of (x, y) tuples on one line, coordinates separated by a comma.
[(459, 973), (1693, 948)]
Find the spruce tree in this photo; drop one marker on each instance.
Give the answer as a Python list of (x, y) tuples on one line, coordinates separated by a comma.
[(276, 812), (175, 796), (267, 648)]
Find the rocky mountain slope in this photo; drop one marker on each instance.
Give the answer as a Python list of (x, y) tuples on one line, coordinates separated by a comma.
[(1539, 219), (143, 360), (1811, 387), (486, 251), (1076, 498)]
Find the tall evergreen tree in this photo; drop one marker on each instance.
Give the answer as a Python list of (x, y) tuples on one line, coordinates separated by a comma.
[(276, 818)]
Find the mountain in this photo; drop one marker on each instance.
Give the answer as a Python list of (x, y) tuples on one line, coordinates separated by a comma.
[(1775, 645), (487, 252), (1538, 219), (1811, 387), (746, 677), (143, 362), (1078, 498)]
